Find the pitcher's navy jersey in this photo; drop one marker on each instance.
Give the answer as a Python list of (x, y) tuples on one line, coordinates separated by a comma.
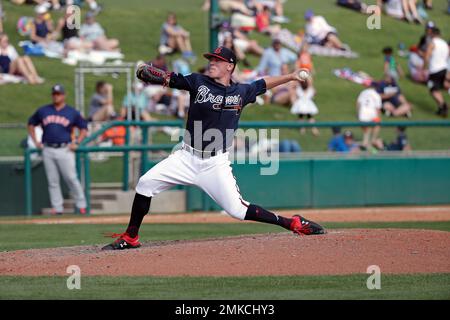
[(210, 110), (57, 125)]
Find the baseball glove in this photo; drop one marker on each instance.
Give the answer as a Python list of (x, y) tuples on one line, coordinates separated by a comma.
[(149, 74)]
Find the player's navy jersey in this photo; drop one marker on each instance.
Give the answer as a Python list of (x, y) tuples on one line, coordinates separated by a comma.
[(209, 109), (57, 125)]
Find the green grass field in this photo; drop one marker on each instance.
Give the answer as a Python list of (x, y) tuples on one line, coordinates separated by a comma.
[(137, 26), (429, 286), (14, 237)]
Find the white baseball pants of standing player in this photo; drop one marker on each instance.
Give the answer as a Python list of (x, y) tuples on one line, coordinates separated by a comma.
[(62, 161), (184, 167)]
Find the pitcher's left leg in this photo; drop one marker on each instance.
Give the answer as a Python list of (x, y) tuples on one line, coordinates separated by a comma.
[(220, 184)]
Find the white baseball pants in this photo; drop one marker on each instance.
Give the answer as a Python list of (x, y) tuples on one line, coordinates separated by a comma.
[(213, 175), (62, 161)]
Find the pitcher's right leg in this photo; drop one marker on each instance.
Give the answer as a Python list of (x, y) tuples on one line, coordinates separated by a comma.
[(172, 171)]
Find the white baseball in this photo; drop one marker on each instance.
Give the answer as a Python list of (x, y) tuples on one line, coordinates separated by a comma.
[(303, 74)]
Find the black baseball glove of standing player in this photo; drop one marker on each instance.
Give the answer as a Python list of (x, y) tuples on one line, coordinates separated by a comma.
[(150, 74)]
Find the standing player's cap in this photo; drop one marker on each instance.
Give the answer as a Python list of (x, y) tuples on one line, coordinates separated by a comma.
[(222, 53), (57, 88)]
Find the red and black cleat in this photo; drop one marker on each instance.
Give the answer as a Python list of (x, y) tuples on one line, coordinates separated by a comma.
[(123, 241), (302, 226)]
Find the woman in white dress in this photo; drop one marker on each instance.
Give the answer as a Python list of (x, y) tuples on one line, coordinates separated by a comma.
[(304, 105)]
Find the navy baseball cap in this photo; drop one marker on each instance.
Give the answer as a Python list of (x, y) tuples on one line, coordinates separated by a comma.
[(222, 53), (57, 88)]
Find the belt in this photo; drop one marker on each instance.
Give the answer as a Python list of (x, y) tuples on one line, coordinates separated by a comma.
[(56, 145), (200, 153)]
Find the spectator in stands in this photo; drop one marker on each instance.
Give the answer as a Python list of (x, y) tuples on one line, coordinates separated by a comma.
[(318, 31), (228, 6), (284, 94), (263, 20), (353, 4), (394, 102), (241, 44), (136, 102), (273, 59), (416, 68), (304, 105), (425, 38), (93, 32), (436, 59), (401, 142), (174, 37), (180, 98), (336, 143), (304, 60), (160, 62), (12, 63), (391, 66), (116, 135), (42, 27), (429, 4), (159, 96), (368, 106), (70, 36), (274, 5), (288, 146), (101, 107), (401, 9), (342, 142)]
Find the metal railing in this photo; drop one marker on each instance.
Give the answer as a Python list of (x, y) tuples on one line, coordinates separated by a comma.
[(82, 153)]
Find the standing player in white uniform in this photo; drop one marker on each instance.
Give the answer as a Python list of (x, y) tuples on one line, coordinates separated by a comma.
[(216, 104)]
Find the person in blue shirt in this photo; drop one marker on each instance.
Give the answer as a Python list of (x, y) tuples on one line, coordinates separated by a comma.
[(58, 121), (274, 58), (342, 142), (337, 143)]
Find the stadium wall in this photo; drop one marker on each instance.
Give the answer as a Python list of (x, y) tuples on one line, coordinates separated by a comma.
[(340, 183)]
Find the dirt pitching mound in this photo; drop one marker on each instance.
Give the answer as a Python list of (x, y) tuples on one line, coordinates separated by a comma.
[(338, 252)]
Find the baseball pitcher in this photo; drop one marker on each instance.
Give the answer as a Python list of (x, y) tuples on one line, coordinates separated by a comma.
[(216, 103)]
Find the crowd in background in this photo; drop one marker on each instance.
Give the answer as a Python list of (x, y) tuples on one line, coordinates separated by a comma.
[(427, 62)]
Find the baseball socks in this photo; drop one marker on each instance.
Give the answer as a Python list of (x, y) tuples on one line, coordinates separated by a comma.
[(141, 206), (256, 213)]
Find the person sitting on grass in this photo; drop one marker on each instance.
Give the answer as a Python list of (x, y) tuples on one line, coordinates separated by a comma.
[(401, 143), (93, 32), (318, 31), (42, 27), (353, 5), (12, 63), (394, 102), (174, 37), (102, 104)]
